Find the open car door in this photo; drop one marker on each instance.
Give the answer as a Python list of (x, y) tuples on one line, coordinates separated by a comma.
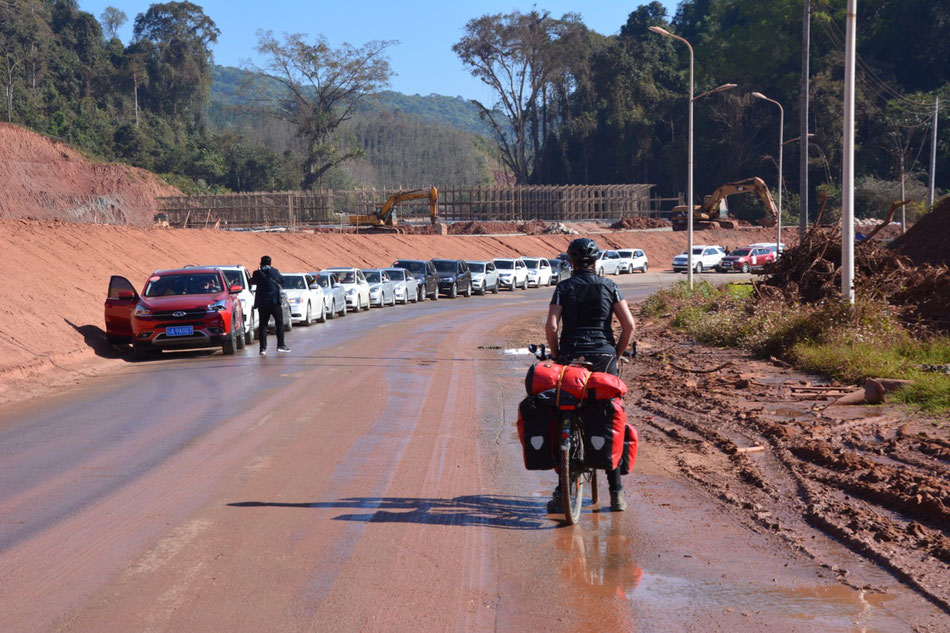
[(118, 311)]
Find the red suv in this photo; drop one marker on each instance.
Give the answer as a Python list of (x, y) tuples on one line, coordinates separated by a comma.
[(745, 259), (178, 309)]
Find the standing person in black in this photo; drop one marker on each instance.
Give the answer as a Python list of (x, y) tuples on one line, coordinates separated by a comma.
[(582, 308), (269, 282)]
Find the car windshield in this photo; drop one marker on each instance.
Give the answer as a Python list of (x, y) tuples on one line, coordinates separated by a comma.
[(697, 251), (531, 263), (371, 276), (555, 263), (235, 278), (626, 253), (190, 284), (346, 277), (324, 281), (416, 267), (444, 265), (740, 252), (396, 275), (294, 282), (505, 264), (476, 268)]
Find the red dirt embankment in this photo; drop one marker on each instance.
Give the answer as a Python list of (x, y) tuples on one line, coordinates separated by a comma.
[(56, 274), (46, 180)]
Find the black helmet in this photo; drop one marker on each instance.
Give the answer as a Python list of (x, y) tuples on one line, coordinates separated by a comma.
[(583, 250)]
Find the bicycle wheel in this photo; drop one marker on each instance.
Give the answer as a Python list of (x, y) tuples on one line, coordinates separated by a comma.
[(572, 488)]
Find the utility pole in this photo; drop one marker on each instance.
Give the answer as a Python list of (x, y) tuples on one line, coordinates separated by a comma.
[(903, 197), (847, 155), (933, 153), (803, 150)]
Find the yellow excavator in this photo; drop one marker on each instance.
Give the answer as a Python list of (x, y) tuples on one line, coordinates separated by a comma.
[(384, 217), (710, 214)]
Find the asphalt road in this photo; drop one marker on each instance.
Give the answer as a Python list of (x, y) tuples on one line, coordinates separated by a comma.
[(370, 480)]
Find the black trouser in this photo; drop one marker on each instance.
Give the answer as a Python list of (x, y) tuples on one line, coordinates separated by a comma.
[(606, 363), (264, 313)]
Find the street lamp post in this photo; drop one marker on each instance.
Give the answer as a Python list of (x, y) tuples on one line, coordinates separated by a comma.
[(781, 133), (689, 159)]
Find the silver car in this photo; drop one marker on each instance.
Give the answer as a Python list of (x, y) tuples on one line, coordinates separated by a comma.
[(405, 286), (484, 277), (333, 293), (381, 290)]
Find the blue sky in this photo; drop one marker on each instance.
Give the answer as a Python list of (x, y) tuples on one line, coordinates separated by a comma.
[(423, 61)]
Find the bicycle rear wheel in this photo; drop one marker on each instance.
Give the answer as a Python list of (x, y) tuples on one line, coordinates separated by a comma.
[(572, 488)]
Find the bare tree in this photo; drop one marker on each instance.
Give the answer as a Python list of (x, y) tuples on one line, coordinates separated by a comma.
[(112, 20), (319, 86), (517, 55)]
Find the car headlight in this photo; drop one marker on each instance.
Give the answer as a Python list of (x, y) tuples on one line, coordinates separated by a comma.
[(218, 306), (141, 311), (351, 291), (295, 301)]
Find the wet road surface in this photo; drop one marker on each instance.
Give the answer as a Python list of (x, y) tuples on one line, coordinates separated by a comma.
[(370, 480)]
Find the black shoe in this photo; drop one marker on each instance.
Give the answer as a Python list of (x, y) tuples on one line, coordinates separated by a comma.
[(283, 348), (263, 352), (617, 502)]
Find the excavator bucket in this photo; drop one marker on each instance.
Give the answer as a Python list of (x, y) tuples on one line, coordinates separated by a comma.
[(766, 222)]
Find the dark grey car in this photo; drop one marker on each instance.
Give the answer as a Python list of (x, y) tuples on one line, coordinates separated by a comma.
[(454, 277), (424, 272)]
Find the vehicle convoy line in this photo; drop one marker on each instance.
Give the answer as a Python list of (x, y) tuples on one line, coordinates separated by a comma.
[(370, 480)]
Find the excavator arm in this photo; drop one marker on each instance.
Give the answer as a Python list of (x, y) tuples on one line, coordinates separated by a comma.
[(709, 210), (384, 216)]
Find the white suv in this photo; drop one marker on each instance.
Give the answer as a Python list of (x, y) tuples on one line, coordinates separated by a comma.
[(238, 276), (632, 259), (704, 258), (512, 273)]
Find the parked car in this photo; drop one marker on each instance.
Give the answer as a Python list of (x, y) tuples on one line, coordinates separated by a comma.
[(183, 308), (560, 269), (704, 258), (770, 246), (633, 259), (512, 273), (484, 277), (424, 272), (539, 271), (239, 276), (381, 290), (354, 285), (608, 263), (745, 259), (305, 295), (454, 277), (405, 286), (333, 294)]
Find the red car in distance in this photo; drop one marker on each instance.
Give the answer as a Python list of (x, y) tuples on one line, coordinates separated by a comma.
[(745, 259), (178, 309)]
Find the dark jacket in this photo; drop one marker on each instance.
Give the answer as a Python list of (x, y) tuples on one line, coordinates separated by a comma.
[(587, 302), (269, 282)]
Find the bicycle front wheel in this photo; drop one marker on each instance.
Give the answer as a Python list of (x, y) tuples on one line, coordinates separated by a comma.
[(572, 488)]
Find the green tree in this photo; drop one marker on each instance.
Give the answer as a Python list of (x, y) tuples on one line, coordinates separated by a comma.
[(112, 20)]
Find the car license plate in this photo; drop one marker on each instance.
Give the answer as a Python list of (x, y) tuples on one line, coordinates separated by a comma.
[(180, 330)]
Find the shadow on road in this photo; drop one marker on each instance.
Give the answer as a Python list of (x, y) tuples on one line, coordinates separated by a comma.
[(511, 513), (95, 338)]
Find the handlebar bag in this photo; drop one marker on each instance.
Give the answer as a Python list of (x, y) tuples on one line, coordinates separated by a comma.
[(629, 457), (604, 422), (536, 430)]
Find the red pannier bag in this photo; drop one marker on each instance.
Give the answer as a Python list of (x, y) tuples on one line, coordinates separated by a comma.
[(536, 421), (545, 376), (604, 422), (629, 457), (603, 386)]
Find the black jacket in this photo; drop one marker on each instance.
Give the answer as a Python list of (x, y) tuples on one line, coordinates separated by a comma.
[(587, 302), (269, 282)]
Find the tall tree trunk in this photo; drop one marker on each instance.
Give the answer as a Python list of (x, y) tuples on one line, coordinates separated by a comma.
[(135, 80)]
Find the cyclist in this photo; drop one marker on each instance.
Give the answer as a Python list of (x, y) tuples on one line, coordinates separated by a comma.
[(582, 308)]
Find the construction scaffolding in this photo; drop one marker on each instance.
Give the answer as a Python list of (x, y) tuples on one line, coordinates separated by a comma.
[(291, 210)]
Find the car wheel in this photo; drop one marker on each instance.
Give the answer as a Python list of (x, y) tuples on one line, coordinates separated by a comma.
[(229, 346), (344, 310), (308, 317), (468, 292), (453, 291), (699, 268), (288, 324), (249, 335), (600, 271), (239, 339), (366, 306), (323, 313), (745, 268), (494, 289), (644, 269), (435, 295), (332, 312)]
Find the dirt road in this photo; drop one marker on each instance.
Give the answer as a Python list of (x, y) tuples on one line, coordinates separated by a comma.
[(371, 480)]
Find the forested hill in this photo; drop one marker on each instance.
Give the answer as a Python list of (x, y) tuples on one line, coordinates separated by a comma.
[(228, 87)]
